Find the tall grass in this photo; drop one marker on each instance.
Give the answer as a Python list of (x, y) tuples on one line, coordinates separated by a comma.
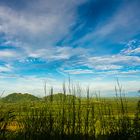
[(6, 116), (74, 117)]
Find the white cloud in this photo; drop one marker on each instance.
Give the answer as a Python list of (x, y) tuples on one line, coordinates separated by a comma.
[(57, 53), (7, 54), (52, 53), (136, 51), (131, 51), (114, 65), (38, 26), (120, 73), (6, 68), (115, 60), (46, 19), (107, 67), (122, 25), (132, 47), (78, 71), (10, 43), (129, 72)]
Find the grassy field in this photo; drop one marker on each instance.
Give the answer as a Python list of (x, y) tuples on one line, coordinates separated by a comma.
[(62, 116)]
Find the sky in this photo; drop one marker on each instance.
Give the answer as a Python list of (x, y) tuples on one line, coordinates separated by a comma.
[(94, 42)]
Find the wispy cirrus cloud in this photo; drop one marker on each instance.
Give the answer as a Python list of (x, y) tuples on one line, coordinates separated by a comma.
[(131, 48), (107, 67), (41, 20), (119, 27), (78, 71), (37, 27), (57, 53), (92, 39), (6, 68), (116, 59), (7, 54)]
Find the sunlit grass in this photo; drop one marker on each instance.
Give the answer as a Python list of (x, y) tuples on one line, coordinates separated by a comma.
[(67, 116)]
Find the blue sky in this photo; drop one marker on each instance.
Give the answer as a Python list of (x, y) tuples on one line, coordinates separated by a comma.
[(92, 41)]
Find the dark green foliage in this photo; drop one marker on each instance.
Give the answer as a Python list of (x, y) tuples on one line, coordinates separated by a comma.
[(67, 117), (136, 125), (19, 97), (5, 118), (58, 97)]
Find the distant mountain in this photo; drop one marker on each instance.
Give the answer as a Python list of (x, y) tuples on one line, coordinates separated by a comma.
[(19, 97), (59, 97)]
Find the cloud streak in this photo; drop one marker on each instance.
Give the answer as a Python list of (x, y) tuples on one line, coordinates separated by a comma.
[(60, 37)]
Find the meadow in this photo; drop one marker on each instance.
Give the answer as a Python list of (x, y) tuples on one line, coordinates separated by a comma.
[(69, 116)]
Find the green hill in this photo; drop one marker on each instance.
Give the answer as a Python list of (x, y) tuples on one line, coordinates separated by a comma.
[(59, 97), (19, 97)]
